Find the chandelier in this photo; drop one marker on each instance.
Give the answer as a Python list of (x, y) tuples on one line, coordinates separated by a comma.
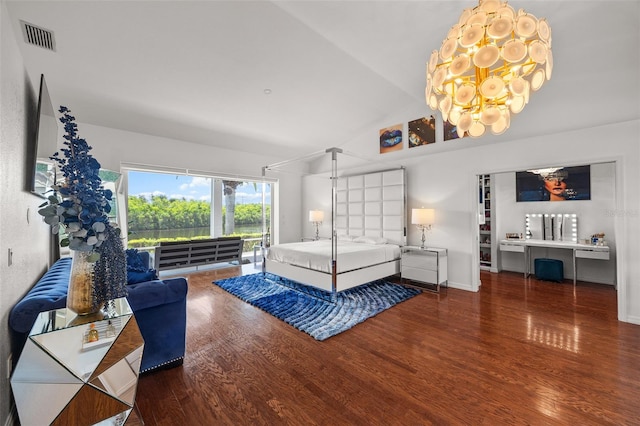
[(487, 67)]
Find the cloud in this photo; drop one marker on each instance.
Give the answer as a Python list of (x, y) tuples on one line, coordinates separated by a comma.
[(250, 197), (198, 188), (196, 182)]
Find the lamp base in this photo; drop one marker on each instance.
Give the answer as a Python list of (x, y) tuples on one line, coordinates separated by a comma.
[(423, 228)]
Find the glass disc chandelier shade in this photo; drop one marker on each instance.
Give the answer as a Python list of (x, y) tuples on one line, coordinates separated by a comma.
[(487, 66)]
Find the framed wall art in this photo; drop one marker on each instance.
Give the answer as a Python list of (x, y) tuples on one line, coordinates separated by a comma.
[(422, 131), (554, 184), (391, 139), (451, 131)]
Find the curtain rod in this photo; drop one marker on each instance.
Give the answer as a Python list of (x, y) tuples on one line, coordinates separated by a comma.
[(334, 151), (295, 160), (193, 172)]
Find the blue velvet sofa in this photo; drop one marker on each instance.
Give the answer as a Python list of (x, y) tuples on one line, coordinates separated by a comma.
[(159, 306)]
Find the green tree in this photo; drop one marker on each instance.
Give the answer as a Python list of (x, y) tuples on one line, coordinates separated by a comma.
[(163, 213)]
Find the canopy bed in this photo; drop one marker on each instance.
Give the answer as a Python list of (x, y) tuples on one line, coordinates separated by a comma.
[(368, 227)]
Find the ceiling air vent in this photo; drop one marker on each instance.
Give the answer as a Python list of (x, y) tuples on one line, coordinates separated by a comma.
[(38, 36)]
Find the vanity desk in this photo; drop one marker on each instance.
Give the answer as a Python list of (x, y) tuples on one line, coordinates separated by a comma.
[(584, 251)]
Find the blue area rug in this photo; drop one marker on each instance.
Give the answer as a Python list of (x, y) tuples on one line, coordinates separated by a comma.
[(312, 310)]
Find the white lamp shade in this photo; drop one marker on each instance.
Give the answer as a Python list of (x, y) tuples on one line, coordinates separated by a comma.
[(422, 216), (316, 215)]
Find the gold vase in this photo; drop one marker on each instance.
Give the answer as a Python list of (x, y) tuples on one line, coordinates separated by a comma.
[(80, 295)]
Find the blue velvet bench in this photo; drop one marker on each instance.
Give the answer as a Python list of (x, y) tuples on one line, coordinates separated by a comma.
[(159, 306)]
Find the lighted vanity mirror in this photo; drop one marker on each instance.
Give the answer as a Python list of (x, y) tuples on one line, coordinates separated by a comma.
[(551, 226)]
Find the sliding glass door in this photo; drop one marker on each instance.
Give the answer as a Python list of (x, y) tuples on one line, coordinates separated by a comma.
[(164, 206)]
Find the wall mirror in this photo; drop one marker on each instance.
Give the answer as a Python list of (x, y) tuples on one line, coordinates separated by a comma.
[(551, 226)]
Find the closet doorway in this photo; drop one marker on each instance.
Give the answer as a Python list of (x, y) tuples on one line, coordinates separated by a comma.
[(502, 207)]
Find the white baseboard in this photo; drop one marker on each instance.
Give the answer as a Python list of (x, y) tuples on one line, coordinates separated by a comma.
[(633, 319), (459, 286)]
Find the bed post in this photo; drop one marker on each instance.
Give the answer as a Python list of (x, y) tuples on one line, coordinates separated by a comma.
[(334, 202), (263, 241)]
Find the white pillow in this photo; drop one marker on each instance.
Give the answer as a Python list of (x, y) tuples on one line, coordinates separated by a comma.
[(370, 240), (345, 237)]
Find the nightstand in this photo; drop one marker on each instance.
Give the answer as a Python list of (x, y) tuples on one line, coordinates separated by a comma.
[(65, 376), (424, 266)]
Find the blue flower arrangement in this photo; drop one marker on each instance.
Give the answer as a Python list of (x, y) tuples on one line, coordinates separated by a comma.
[(79, 207), (79, 204)]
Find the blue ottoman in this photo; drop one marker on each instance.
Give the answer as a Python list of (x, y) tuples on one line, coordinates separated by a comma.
[(549, 270)]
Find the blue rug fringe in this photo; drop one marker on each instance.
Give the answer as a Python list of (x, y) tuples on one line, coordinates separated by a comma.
[(312, 310)]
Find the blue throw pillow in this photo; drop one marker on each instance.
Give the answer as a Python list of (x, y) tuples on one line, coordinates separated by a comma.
[(134, 277), (137, 271), (134, 261)]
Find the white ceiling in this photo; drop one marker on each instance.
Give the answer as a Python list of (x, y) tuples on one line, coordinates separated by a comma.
[(197, 71)]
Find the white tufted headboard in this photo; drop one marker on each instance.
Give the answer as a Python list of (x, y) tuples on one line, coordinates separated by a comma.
[(373, 205)]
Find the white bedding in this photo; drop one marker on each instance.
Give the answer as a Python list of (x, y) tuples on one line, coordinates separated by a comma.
[(316, 255)]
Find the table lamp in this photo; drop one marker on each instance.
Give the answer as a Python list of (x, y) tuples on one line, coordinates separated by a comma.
[(423, 219), (316, 217)]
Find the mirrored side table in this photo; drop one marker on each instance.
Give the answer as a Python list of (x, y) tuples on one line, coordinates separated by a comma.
[(65, 376)]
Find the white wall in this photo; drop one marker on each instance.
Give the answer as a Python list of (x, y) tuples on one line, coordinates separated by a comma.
[(317, 190), (594, 216), (21, 229), (112, 147), (446, 181)]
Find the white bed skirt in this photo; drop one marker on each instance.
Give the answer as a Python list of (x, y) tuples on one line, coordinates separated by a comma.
[(322, 280)]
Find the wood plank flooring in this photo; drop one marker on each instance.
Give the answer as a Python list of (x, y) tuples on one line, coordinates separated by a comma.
[(518, 352)]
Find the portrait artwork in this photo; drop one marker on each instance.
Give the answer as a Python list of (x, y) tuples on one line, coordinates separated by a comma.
[(554, 184)]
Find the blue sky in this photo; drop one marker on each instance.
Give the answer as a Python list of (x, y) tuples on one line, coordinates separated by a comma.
[(187, 187)]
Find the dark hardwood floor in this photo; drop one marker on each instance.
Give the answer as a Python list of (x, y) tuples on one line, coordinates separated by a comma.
[(517, 352)]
